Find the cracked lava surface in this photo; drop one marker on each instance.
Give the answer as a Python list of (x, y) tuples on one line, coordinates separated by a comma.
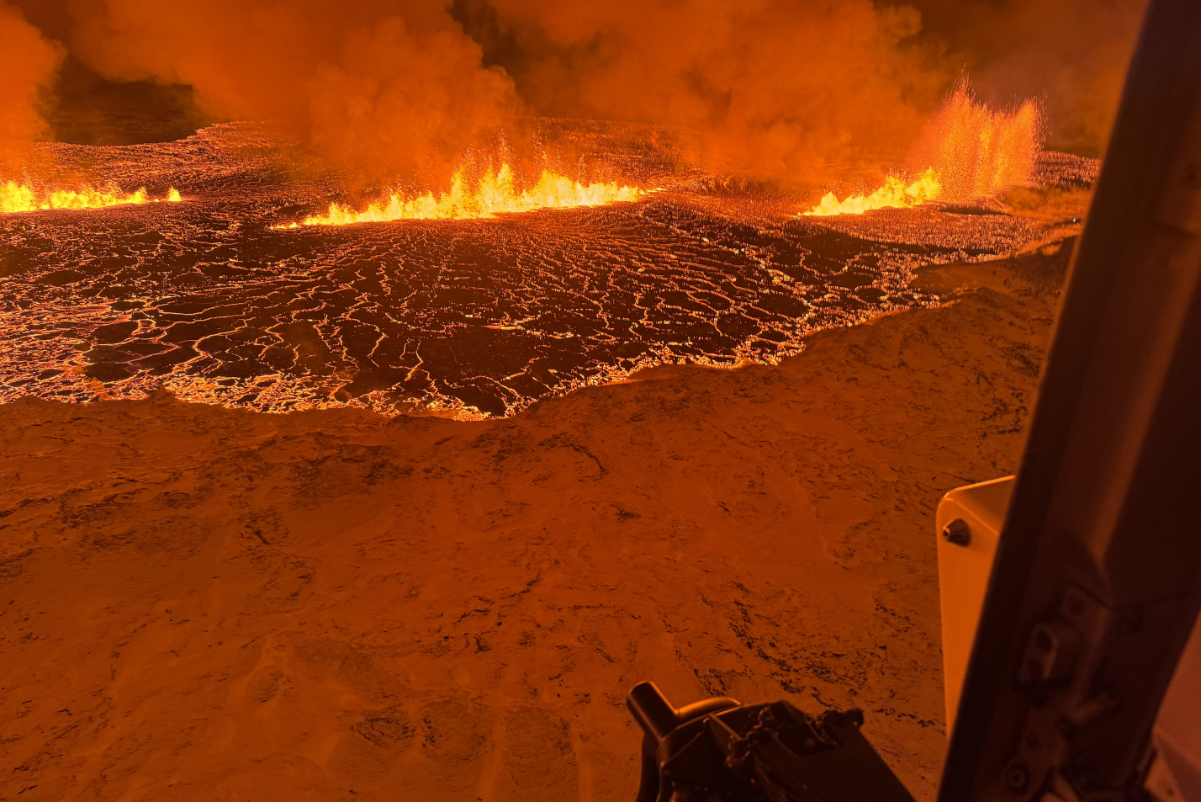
[(467, 318)]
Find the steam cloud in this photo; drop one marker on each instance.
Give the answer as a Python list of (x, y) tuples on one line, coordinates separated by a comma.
[(391, 89), (27, 63)]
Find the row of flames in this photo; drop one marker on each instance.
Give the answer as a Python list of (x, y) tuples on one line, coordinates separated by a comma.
[(495, 193), (968, 151), (16, 197)]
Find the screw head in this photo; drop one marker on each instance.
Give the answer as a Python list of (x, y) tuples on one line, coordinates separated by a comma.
[(1017, 777), (957, 532)]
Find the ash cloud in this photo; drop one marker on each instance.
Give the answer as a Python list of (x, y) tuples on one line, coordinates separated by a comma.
[(28, 62)]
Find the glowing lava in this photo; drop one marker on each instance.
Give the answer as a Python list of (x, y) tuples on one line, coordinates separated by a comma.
[(495, 193), (895, 194), (970, 151), (16, 197)]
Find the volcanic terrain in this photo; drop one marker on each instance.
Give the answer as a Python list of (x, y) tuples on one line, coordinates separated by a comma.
[(358, 600), (207, 299), (202, 603)]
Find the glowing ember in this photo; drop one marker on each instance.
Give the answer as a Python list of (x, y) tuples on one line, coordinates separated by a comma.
[(16, 197), (970, 151), (895, 194), (495, 193)]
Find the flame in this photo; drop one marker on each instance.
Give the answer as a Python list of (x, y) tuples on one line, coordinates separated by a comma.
[(16, 197), (971, 151), (495, 193), (895, 194)]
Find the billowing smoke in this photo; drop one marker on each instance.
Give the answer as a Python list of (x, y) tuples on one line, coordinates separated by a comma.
[(781, 86), (27, 65), (775, 87), (383, 89), (401, 89)]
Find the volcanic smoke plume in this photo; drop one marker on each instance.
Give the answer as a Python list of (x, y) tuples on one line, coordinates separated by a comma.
[(776, 88), (396, 93), (27, 63), (389, 90), (383, 89), (794, 90)]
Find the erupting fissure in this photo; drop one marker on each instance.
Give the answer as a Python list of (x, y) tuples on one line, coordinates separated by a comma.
[(895, 194), (16, 197), (967, 151), (495, 193)]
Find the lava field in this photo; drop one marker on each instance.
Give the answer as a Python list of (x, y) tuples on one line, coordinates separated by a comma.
[(206, 299)]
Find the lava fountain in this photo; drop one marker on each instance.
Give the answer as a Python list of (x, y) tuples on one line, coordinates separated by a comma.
[(16, 198), (495, 193), (967, 151)]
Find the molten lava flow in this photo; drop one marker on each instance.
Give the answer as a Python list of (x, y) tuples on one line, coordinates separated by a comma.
[(895, 194), (968, 151), (16, 197), (495, 193)]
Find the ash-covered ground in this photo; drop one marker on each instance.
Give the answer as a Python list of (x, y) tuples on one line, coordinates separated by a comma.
[(205, 299)]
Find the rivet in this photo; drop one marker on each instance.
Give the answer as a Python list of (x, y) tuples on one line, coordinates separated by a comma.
[(1017, 777)]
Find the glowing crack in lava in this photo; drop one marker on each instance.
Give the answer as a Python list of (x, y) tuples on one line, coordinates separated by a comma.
[(456, 319), (971, 152), (495, 193), (16, 197)]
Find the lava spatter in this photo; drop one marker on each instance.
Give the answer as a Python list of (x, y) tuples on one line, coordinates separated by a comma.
[(967, 151)]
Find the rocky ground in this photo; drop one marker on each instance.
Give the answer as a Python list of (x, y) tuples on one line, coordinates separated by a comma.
[(213, 604)]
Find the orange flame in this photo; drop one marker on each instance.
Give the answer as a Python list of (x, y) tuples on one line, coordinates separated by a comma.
[(16, 197), (895, 194), (971, 152), (495, 193)]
